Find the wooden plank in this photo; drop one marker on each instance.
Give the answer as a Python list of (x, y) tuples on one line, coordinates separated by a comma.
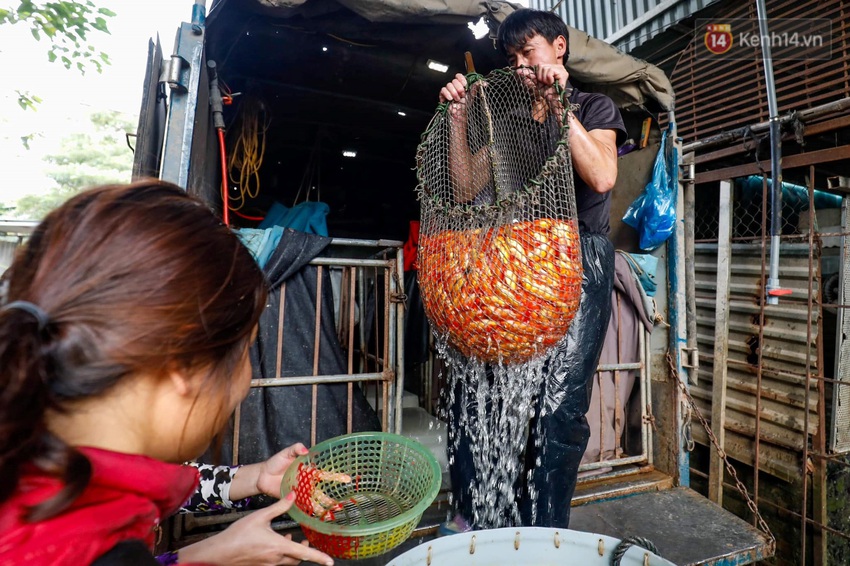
[(721, 344)]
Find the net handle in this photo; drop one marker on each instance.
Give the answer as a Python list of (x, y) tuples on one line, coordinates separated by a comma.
[(470, 64)]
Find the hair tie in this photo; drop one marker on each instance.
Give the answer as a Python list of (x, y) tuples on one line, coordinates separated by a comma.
[(31, 308)]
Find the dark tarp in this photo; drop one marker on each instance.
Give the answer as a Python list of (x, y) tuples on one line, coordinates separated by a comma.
[(273, 418), (599, 66)]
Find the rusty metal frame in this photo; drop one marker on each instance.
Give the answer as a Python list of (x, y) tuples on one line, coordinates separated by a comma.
[(643, 382), (813, 523)]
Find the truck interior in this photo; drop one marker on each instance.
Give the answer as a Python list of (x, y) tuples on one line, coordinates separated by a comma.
[(331, 106)]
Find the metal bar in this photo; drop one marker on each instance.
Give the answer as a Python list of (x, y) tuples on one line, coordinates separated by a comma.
[(775, 159), (617, 404), (689, 192), (361, 293), (351, 290), (619, 367), (760, 365), (612, 463), (721, 344), (340, 305), (279, 359), (310, 380), (381, 363), (804, 471), (400, 306), (600, 389), (385, 403), (645, 396), (840, 334), (839, 458), (390, 312), (810, 130), (346, 262), (739, 133), (789, 162), (367, 243), (184, 78), (819, 488), (316, 354), (675, 308)]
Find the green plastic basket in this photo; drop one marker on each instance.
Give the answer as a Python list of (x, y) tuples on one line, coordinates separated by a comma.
[(393, 480)]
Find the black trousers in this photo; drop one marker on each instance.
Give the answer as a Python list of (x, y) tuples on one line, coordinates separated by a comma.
[(558, 439)]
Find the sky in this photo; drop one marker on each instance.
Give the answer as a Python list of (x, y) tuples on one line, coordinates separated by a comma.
[(69, 97)]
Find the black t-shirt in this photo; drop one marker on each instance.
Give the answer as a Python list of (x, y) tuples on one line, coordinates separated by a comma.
[(595, 112)]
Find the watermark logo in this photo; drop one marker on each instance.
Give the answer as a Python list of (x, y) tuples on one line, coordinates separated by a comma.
[(718, 38), (742, 39)]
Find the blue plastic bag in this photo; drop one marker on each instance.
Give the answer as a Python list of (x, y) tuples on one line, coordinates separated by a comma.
[(653, 213)]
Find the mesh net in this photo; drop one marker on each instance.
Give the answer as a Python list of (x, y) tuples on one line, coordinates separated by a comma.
[(499, 256)]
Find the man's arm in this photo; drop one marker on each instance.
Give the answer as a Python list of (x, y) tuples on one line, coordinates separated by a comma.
[(470, 172), (594, 155)]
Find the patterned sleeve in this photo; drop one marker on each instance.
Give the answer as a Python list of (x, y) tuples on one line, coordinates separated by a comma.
[(213, 493)]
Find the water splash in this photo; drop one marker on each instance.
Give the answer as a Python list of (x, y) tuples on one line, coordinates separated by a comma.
[(496, 404)]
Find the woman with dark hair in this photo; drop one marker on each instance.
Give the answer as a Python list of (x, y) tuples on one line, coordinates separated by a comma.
[(124, 335)]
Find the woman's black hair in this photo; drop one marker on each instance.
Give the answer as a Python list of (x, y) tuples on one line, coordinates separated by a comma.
[(119, 281)]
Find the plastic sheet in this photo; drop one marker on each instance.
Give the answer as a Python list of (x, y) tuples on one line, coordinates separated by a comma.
[(559, 437)]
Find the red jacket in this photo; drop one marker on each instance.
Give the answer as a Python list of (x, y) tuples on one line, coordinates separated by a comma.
[(127, 497)]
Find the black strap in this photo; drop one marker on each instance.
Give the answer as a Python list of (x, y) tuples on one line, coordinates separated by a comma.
[(626, 544), (127, 553)]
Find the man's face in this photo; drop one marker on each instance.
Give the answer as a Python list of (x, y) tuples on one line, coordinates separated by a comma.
[(538, 51)]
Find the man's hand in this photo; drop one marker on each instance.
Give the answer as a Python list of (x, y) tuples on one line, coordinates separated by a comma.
[(251, 541), (549, 73), (455, 90)]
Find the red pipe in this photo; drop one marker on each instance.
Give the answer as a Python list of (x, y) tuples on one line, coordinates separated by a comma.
[(224, 199), (246, 217)]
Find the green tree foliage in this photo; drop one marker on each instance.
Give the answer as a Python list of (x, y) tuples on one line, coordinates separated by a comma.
[(66, 26), (84, 160)]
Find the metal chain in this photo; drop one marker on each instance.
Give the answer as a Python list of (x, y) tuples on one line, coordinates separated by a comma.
[(722, 453)]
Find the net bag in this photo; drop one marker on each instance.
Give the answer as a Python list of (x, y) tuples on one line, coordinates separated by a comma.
[(499, 254)]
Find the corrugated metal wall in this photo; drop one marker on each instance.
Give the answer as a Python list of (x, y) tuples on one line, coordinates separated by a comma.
[(714, 95), (786, 349), (623, 23)]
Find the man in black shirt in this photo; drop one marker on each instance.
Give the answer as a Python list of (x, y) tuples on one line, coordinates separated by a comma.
[(537, 39)]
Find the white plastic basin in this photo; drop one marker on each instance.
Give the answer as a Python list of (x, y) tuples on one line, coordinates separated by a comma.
[(524, 546)]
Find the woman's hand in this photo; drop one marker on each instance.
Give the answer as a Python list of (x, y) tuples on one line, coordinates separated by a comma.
[(251, 541), (271, 471), (264, 477)]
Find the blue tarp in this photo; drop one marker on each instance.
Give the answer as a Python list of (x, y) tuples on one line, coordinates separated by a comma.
[(309, 217)]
